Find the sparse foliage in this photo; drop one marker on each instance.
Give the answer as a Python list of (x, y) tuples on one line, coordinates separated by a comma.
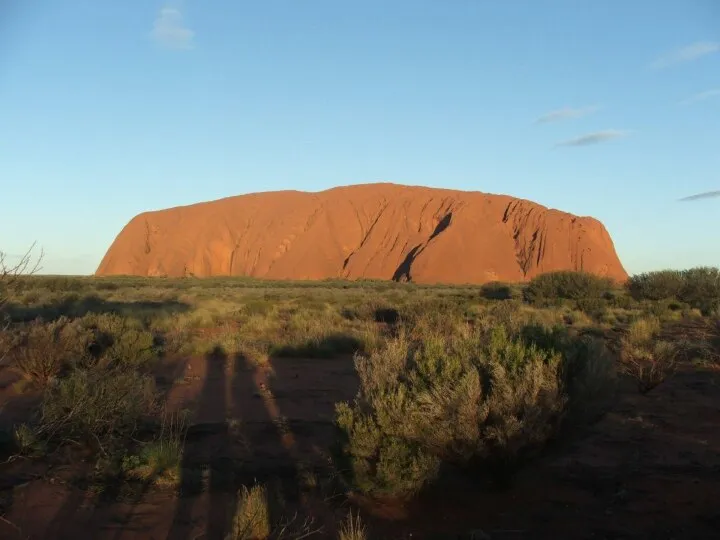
[(446, 377), (697, 287), (352, 528), (251, 520), (160, 460), (120, 341), (40, 350), (645, 357), (565, 285), (25, 265), (496, 290), (96, 405), (655, 286), (473, 400)]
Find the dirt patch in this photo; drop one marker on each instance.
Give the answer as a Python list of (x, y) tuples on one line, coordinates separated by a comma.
[(269, 423), (648, 469)]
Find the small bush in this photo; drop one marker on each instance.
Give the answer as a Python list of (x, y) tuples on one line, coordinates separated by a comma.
[(160, 460), (496, 290), (655, 286), (27, 441), (644, 356), (701, 289), (352, 528), (566, 285), (642, 331), (39, 351), (96, 405), (620, 299), (257, 306), (469, 399), (588, 368), (120, 341), (251, 520), (697, 287), (596, 308)]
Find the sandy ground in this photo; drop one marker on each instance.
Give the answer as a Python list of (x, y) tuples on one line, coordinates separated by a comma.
[(650, 469)]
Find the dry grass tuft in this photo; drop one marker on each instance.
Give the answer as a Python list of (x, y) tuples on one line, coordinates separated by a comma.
[(645, 357), (252, 515), (352, 528)]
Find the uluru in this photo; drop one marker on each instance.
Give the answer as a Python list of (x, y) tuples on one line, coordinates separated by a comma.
[(371, 231)]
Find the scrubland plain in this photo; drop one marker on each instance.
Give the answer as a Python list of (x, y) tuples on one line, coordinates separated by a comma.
[(566, 407)]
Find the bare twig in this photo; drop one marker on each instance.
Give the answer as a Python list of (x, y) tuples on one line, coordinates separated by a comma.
[(23, 267), (18, 529), (9, 273)]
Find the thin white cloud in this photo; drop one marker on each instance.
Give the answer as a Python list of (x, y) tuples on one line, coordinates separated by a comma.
[(170, 31), (700, 196), (686, 54), (596, 137), (701, 96), (566, 113)]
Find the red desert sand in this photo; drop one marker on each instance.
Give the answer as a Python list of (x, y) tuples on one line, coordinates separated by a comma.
[(371, 231)]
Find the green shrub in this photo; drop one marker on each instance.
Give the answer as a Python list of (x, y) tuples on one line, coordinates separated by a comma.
[(595, 307), (27, 441), (381, 460), (588, 368), (496, 290), (257, 306), (446, 322), (699, 287), (566, 285), (655, 285), (121, 341), (40, 350), (159, 462), (96, 405), (620, 299), (251, 520), (646, 358), (447, 312), (472, 399)]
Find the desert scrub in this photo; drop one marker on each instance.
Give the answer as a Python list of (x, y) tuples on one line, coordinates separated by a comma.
[(39, 351), (306, 334), (121, 341), (701, 289), (477, 400), (644, 356), (159, 461), (697, 287), (587, 372), (550, 287), (27, 441), (251, 520), (96, 405), (654, 286), (497, 290), (352, 528)]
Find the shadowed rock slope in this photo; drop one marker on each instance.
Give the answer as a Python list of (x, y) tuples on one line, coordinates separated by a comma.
[(382, 231)]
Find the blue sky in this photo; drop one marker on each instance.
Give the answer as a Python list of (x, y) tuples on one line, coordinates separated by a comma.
[(605, 108)]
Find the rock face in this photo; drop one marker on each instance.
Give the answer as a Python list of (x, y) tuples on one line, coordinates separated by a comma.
[(381, 231)]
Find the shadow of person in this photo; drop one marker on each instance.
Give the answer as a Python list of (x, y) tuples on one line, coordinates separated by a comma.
[(270, 444), (206, 437)]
